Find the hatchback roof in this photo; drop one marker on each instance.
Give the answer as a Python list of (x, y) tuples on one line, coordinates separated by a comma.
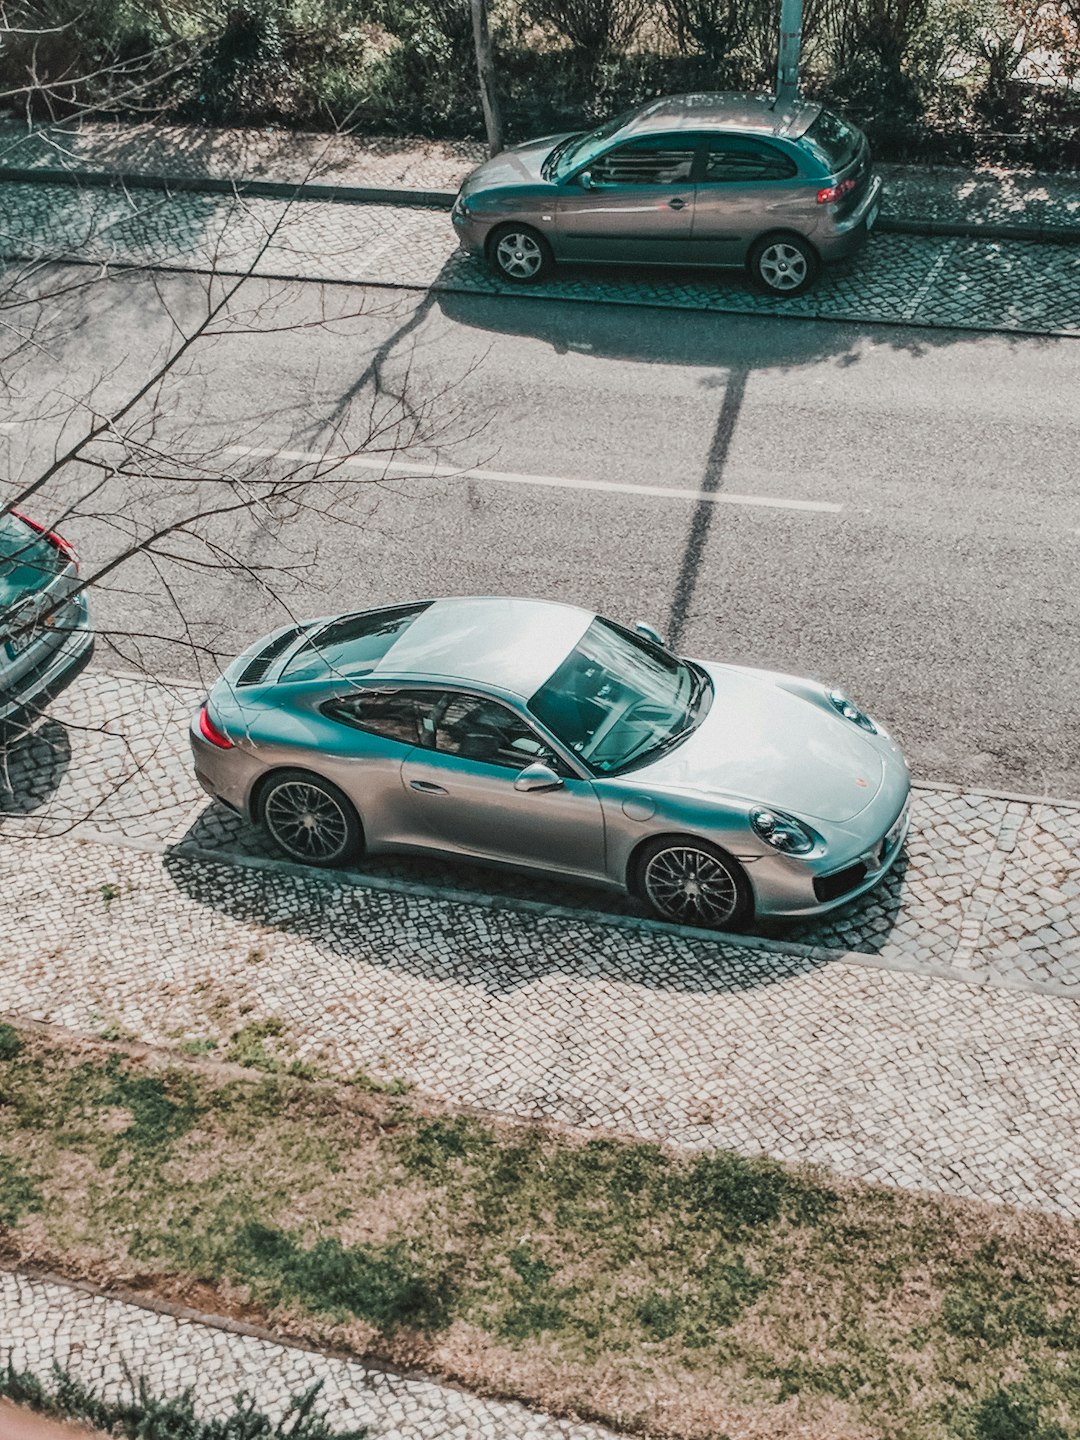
[(724, 110), (511, 645)]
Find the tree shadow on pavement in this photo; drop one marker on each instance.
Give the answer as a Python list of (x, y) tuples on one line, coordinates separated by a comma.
[(32, 766)]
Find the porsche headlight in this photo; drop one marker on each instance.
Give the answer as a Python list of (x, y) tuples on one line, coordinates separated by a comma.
[(781, 831), (460, 209), (850, 711)]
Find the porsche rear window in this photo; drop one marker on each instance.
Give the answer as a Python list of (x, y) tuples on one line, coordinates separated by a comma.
[(353, 645), (27, 560)]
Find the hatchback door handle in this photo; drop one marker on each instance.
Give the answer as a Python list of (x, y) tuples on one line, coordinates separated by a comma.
[(428, 787), (677, 204)]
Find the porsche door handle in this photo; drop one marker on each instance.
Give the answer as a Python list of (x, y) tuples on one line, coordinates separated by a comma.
[(428, 787)]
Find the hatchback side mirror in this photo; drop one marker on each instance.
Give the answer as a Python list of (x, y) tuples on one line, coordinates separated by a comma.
[(585, 180), (651, 634), (537, 776)]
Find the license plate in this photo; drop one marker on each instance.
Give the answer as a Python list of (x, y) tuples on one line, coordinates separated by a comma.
[(897, 827), (871, 218), (18, 643)]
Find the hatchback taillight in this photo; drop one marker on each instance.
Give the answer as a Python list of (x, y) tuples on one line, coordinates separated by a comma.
[(64, 546), (835, 192), (210, 731)]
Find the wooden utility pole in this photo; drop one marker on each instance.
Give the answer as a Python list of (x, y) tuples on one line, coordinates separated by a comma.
[(787, 55), (486, 70)]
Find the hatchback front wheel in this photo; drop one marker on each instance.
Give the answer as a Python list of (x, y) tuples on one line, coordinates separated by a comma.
[(520, 254)]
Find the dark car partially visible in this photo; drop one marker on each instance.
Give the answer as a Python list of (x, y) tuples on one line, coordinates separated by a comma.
[(45, 635)]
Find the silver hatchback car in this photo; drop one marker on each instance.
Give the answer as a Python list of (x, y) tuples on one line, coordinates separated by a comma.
[(717, 179), (543, 736)]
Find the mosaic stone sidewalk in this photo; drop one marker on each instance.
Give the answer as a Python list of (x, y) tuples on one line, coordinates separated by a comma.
[(688, 1039), (1012, 286), (97, 1338), (988, 889)]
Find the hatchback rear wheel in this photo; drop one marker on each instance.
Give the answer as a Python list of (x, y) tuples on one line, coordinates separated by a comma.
[(310, 819), (784, 265), (520, 254), (693, 883)]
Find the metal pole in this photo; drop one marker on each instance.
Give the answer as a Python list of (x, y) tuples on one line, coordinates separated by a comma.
[(486, 71), (787, 58)]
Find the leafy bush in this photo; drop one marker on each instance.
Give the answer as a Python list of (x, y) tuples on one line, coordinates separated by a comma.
[(595, 28)]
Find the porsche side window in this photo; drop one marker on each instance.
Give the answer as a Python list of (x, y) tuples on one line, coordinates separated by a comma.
[(392, 714), (479, 729)]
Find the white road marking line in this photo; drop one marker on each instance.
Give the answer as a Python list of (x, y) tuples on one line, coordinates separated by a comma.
[(428, 471)]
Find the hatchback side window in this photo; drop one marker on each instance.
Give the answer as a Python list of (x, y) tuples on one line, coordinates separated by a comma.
[(401, 715), (657, 160), (731, 161), (479, 729)]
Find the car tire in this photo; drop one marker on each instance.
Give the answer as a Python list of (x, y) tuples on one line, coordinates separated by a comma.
[(784, 265), (310, 819), (690, 882), (520, 254)]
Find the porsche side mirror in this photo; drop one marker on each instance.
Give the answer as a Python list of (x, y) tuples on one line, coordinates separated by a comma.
[(537, 776), (651, 634)]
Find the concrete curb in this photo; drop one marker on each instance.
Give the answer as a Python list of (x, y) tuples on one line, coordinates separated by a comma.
[(533, 296), (214, 185), (981, 230), (443, 199)]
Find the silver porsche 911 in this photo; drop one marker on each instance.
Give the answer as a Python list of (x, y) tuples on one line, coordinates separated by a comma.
[(545, 737)]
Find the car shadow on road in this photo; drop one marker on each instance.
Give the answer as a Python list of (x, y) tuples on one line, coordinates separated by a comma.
[(432, 916)]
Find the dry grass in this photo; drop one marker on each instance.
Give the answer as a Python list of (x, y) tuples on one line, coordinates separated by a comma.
[(693, 1297)]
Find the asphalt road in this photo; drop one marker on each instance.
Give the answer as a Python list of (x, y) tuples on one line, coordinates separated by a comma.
[(921, 549)]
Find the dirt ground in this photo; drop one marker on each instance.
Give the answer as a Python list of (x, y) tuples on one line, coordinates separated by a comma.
[(16, 1423)]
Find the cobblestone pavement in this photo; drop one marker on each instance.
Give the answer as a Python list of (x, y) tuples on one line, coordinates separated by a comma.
[(901, 1071), (909, 1079), (900, 279), (985, 193), (988, 889), (96, 1338)]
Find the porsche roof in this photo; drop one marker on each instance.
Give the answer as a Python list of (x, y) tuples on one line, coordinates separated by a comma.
[(514, 645)]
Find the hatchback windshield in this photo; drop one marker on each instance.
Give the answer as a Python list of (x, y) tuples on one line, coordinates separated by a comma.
[(618, 700), (583, 149)]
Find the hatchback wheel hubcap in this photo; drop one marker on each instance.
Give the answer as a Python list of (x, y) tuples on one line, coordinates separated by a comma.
[(519, 255), (306, 821), (687, 884), (783, 267)]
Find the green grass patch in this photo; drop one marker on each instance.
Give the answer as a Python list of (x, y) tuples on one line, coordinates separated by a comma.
[(681, 1295), (18, 1193)]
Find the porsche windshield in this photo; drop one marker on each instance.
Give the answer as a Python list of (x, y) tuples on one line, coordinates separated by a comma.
[(618, 700)]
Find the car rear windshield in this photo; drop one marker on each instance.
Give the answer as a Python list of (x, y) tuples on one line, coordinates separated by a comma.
[(28, 561), (834, 142), (352, 645)]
